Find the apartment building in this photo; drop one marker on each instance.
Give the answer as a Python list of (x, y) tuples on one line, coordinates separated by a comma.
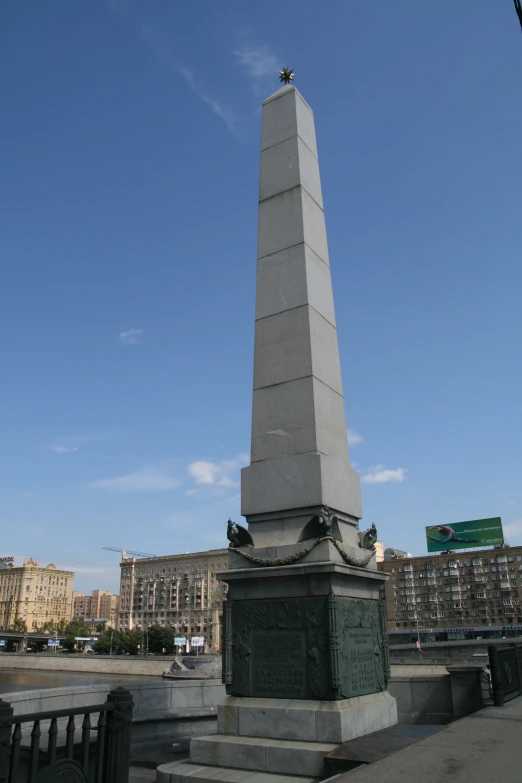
[(34, 595), (455, 595), (180, 592), (100, 605)]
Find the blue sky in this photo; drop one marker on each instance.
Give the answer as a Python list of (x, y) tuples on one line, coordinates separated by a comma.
[(130, 138)]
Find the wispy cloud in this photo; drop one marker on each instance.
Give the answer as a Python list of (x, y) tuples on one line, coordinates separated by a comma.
[(222, 111), (208, 518), (354, 438), (259, 64), (131, 337), (68, 443), (148, 479), (513, 529), (209, 473), (379, 474), (228, 115), (60, 448), (117, 5)]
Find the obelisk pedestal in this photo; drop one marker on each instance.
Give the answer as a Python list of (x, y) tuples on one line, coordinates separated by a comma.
[(305, 657)]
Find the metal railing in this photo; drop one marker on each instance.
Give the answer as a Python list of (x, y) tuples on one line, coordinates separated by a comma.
[(505, 664), (104, 761)]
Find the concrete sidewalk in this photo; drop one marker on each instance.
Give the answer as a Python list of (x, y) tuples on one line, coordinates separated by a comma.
[(485, 747), (147, 756)]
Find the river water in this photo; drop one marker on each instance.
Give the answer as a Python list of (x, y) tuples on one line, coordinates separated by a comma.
[(12, 680)]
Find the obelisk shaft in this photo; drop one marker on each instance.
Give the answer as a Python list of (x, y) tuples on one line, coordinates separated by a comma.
[(299, 450)]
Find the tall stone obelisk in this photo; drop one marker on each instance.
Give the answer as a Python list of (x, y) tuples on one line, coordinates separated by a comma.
[(304, 644), (299, 451)]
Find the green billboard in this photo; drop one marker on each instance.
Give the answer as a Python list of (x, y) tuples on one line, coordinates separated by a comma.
[(465, 535)]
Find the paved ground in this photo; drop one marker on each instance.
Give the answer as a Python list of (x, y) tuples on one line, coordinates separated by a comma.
[(484, 748), (145, 758)]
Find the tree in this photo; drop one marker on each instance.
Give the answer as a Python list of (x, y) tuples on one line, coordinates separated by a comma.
[(110, 641), (69, 642), (19, 626), (160, 639), (132, 641), (72, 630), (77, 628)]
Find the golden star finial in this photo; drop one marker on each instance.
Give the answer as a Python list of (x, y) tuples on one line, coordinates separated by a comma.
[(286, 75)]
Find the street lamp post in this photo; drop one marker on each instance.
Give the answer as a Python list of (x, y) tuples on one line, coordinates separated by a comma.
[(110, 648)]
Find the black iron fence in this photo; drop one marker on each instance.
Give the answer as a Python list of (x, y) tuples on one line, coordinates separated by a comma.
[(505, 664), (100, 755)]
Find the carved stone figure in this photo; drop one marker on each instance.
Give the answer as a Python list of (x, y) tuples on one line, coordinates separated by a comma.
[(242, 666), (317, 675), (368, 538), (238, 535), (321, 525)]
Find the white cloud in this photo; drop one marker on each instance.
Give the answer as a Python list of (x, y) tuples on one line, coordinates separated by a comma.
[(513, 529), (259, 64), (226, 114), (145, 480), (379, 474), (222, 111), (60, 448), (353, 437), (70, 443), (131, 336), (209, 473)]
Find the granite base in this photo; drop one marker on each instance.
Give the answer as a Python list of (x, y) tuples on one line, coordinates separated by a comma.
[(279, 737)]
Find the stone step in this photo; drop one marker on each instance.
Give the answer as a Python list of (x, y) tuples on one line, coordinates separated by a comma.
[(185, 772), (262, 754)]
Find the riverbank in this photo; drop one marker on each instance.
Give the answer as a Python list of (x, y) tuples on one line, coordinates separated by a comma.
[(17, 680), (162, 709), (89, 664)]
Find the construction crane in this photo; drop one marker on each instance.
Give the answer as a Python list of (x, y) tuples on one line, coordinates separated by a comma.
[(132, 552)]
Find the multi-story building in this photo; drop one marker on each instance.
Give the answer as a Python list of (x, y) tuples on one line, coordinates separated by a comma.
[(455, 595), (180, 592), (100, 605), (34, 595)]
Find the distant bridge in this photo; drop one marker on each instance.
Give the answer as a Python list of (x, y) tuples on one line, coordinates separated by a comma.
[(31, 637)]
